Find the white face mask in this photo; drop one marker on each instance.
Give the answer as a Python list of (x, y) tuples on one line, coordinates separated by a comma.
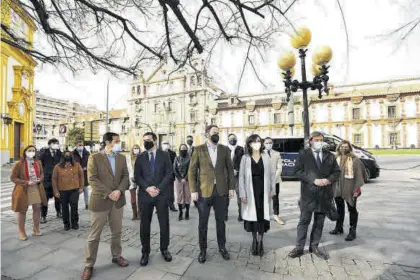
[(30, 155), (55, 146), (268, 147), (318, 146), (116, 148), (165, 147), (136, 151), (256, 146)]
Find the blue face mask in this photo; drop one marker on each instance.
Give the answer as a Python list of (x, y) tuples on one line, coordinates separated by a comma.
[(116, 148), (80, 149)]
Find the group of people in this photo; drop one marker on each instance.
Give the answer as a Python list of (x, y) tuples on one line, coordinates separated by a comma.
[(209, 175)]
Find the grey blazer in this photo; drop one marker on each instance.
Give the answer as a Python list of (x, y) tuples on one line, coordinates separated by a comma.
[(246, 189)]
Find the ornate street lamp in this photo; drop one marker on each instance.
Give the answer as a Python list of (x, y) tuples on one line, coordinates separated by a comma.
[(6, 119), (287, 62)]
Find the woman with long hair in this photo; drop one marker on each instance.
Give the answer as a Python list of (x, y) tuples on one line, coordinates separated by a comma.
[(27, 175), (68, 182), (257, 180), (131, 160), (181, 165), (348, 188)]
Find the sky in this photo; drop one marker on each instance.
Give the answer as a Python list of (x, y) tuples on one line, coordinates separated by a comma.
[(371, 56)]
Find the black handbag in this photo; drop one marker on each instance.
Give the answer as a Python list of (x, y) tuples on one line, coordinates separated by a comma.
[(332, 214)]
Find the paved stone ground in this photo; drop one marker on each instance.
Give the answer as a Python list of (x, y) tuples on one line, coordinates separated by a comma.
[(387, 246)]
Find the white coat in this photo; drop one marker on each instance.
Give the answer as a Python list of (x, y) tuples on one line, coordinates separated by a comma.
[(246, 189)]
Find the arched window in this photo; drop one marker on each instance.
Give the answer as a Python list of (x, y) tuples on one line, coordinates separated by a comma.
[(138, 90), (193, 81)]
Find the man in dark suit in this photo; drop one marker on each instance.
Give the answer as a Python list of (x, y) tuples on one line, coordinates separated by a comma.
[(317, 170), (236, 153), (171, 196), (81, 155), (211, 164), (50, 158), (153, 174)]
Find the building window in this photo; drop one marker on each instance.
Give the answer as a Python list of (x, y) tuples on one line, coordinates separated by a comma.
[(192, 116), (138, 90), (358, 139), (393, 138), (192, 98), (169, 106), (356, 113), (391, 112), (251, 120), (156, 107), (199, 80), (277, 118), (133, 90), (213, 121)]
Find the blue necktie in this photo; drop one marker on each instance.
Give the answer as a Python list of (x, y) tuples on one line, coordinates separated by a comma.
[(152, 162)]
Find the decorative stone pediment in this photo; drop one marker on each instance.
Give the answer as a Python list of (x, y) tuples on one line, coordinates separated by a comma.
[(250, 106), (356, 99), (392, 97), (276, 104)]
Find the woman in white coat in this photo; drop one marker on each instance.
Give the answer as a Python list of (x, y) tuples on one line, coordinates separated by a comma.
[(131, 160), (256, 188)]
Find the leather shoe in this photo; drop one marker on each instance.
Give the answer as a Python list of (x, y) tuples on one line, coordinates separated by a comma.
[(319, 253), (172, 208), (240, 219), (87, 273), (296, 253), (66, 227), (337, 231), (120, 261), (144, 260), (43, 220), (167, 256), (202, 256), (75, 227), (225, 254)]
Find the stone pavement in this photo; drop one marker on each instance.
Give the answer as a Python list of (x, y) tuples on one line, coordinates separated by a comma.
[(387, 246)]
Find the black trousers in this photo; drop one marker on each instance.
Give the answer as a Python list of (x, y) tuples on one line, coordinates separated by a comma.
[(70, 198), (147, 205), (171, 196), (354, 215), (57, 204), (219, 203), (302, 228), (276, 206)]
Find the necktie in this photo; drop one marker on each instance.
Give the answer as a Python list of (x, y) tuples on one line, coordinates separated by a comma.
[(152, 162), (318, 160), (269, 153), (53, 153)]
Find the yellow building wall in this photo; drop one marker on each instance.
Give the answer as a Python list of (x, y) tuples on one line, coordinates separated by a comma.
[(17, 85)]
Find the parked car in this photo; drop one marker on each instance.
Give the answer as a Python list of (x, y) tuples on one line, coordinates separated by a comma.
[(289, 148)]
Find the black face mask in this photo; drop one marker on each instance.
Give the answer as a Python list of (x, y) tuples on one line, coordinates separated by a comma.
[(233, 142), (190, 142), (183, 153), (67, 158), (215, 138), (148, 145)]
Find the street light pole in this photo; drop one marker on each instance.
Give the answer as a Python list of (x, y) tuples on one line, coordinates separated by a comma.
[(107, 108), (306, 125)]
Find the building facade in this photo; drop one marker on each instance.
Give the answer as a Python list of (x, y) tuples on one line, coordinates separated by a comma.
[(371, 115), (17, 80), (173, 106), (94, 127), (49, 112)]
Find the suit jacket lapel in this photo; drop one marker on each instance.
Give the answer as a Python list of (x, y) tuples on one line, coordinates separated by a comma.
[(108, 165), (206, 152), (117, 165), (219, 154)]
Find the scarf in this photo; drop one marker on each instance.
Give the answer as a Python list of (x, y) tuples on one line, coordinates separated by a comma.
[(348, 167), (31, 170)]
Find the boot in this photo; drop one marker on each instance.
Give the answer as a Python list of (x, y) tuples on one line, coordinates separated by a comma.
[(338, 230), (180, 212), (172, 207), (187, 211), (352, 234), (254, 247), (135, 213), (261, 246)]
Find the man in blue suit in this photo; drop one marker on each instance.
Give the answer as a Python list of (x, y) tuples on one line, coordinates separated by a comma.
[(153, 174)]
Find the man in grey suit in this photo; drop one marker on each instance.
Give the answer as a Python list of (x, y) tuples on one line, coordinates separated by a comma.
[(317, 170)]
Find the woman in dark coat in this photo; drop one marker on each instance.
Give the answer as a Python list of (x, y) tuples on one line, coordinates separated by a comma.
[(348, 188), (27, 174), (181, 165)]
